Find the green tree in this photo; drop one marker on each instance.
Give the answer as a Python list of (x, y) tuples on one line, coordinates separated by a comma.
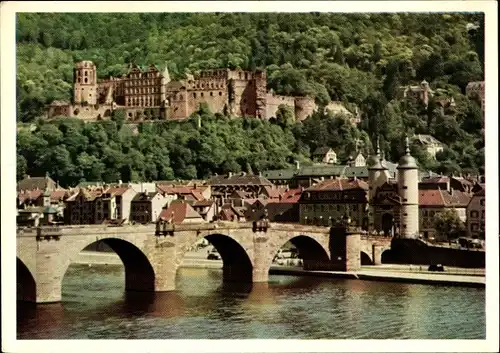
[(448, 224)]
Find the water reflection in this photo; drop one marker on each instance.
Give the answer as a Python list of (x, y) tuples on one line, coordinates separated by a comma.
[(31, 316), (95, 305), (161, 304)]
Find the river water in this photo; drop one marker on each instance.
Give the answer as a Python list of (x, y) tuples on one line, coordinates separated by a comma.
[(95, 306)]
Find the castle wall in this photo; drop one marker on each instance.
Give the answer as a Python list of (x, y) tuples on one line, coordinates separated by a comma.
[(304, 107), (215, 99), (178, 105), (274, 101)]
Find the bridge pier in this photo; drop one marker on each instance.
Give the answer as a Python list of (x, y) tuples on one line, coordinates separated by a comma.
[(345, 248), (377, 254)]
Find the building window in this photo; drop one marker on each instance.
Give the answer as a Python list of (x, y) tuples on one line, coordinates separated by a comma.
[(211, 94), (474, 214), (220, 93), (194, 94), (481, 202), (405, 187), (201, 94)]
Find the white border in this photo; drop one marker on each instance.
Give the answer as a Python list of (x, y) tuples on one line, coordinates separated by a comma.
[(8, 160)]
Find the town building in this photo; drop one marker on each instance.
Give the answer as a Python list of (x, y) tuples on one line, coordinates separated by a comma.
[(232, 213), (146, 206), (423, 92), (429, 143), (331, 199), (476, 215), (324, 155), (81, 206), (223, 187), (434, 201), (37, 183), (114, 204), (205, 208), (180, 212)]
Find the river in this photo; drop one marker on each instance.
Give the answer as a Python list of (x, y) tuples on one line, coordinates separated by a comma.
[(95, 306)]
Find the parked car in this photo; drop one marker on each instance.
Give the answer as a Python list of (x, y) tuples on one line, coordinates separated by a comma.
[(436, 268), (213, 254)]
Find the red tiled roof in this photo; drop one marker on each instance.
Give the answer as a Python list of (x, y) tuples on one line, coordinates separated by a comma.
[(118, 190), (29, 194), (443, 198), (435, 180), (254, 201), (339, 185), (430, 198), (203, 203), (57, 195), (227, 214), (181, 190), (273, 193), (197, 194), (177, 212), (291, 199), (456, 198)]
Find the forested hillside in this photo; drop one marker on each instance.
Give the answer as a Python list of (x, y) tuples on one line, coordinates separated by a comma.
[(359, 59)]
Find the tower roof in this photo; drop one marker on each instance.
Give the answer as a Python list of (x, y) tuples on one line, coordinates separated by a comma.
[(407, 161), (373, 162)]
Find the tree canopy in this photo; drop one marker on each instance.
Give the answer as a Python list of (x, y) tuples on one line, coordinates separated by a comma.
[(359, 59)]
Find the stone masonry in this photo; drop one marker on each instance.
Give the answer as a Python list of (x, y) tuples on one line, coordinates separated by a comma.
[(151, 260)]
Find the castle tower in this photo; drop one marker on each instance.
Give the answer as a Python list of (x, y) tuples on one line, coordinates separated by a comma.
[(424, 93), (378, 175), (85, 83), (408, 191), (165, 79)]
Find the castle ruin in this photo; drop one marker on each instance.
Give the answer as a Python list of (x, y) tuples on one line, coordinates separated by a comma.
[(147, 93)]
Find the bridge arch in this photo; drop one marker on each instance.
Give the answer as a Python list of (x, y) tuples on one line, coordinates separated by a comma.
[(139, 272), (312, 248), (25, 281), (365, 258), (237, 260)]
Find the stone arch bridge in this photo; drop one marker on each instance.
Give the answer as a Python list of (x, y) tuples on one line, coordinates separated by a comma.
[(151, 256)]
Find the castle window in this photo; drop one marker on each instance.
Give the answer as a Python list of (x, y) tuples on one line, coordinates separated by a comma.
[(194, 94), (79, 80), (180, 96), (86, 80), (405, 187), (220, 93), (405, 200), (201, 94), (246, 76), (86, 73), (211, 94), (240, 75)]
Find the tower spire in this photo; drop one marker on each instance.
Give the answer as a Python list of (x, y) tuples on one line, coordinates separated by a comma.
[(407, 141)]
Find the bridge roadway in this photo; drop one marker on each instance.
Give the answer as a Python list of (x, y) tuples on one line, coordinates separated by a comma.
[(151, 255)]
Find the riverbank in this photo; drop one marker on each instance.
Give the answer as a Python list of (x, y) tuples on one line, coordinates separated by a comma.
[(387, 272)]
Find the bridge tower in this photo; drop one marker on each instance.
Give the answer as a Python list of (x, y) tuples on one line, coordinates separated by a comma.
[(85, 83), (378, 175), (408, 191)]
